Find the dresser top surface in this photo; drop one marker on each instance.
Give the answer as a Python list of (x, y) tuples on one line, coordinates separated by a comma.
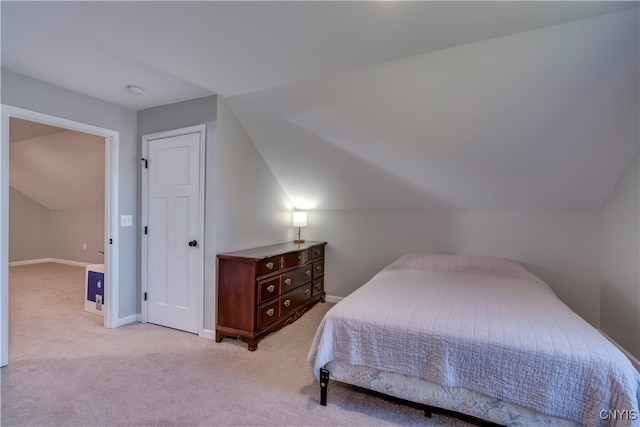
[(271, 250)]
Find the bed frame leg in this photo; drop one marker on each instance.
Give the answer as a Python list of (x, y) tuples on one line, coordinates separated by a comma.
[(324, 383), (427, 412)]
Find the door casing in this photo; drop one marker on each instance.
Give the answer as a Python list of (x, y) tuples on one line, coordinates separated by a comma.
[(201, 129)]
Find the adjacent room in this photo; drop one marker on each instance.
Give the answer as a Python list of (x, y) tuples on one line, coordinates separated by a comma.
[(321, 213), (56, 221)]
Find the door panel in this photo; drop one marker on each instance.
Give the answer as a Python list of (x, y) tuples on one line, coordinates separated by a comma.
[(174, 203), (159, 246)]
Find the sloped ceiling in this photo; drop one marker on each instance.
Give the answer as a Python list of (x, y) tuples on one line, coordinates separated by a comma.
[(20, 130), (373, 104), (58, 168), (545, 118)]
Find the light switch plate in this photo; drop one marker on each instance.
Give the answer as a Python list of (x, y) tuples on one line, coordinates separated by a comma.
[(126, 220)]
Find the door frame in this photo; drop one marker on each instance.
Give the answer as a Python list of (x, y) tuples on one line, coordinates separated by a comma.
[(146, 139), (112, 168)]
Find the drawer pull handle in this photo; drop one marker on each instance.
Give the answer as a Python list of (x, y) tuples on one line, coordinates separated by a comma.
[(287, 303), (307, 273), (287, 282), (299, 257), (282, 262), (270, 265), (271, 288), (307, 292), (317, 251), (270, 312), (318, 268), (318, 285)]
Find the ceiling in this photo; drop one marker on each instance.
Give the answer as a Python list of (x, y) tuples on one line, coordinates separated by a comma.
[(372, 104), (20, 130), (179, 50), (58, 168)]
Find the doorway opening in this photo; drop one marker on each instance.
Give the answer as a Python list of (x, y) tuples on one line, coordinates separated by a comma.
[(110, 207)]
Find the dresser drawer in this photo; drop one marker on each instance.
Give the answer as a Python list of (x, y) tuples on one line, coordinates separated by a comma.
[(317, 286), (291, 300), (268, 289), (316, 252), (295, 259), (269, 265), (318, 269), (294, 278), (267, 313)]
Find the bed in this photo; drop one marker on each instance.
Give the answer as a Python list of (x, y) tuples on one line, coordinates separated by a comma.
[(480, 336)]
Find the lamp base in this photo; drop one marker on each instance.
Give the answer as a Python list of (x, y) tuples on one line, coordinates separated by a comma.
[(298, 241)]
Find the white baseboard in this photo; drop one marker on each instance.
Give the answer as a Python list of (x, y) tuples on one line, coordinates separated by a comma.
[(30, 261), (631, 357), (209, 334), (126, 320), (331, 298), (56, 260), (76, 263)]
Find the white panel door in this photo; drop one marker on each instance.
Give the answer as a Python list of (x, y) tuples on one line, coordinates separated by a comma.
[(173, 205)]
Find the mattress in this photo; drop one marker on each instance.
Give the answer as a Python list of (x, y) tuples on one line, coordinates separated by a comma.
[(483, 324)]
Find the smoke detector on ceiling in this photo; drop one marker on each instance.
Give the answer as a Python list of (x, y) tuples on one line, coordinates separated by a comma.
[(135, 90)]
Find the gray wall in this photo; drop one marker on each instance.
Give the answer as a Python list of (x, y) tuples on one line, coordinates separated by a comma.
[(70, 230), (36, 232), (252, 208), (620, 300), (28, 228), (559, 245), (31, 94), (245, 206)]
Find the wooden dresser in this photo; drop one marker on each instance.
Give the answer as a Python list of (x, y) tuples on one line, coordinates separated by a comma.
[(263, 289)]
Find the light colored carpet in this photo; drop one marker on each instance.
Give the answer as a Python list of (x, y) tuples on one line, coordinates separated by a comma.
[(66, 369)]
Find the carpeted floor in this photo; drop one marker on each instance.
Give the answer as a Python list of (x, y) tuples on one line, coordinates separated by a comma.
[(65, 369)]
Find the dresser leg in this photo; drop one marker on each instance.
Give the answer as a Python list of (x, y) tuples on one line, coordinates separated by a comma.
[(324, 383), (252, 345)]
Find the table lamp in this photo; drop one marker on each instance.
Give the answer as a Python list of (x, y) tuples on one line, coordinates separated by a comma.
[(299, 220)]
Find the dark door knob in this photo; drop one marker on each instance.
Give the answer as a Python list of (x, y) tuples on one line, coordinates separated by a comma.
[(193, 243)]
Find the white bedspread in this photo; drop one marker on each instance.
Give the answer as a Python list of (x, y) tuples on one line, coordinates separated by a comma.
[(485, 324)]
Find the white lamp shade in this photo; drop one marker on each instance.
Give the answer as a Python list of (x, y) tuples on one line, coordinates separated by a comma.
[(299, 219)]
